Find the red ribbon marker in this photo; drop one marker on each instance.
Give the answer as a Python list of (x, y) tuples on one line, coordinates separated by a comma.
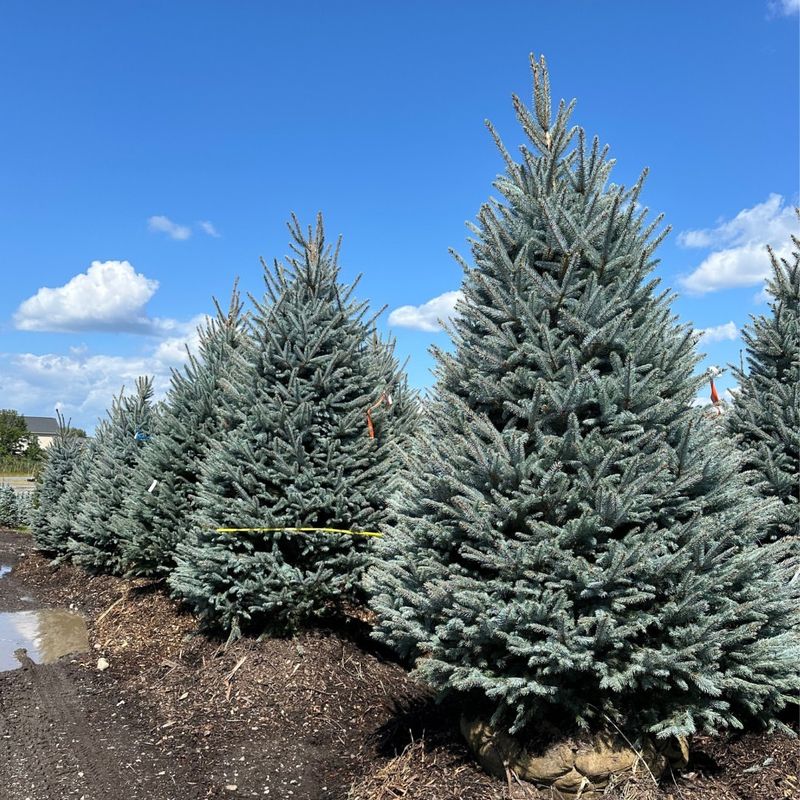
[(715, 401), (384, 398)]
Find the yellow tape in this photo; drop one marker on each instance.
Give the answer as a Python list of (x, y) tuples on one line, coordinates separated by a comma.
[(300, 530)]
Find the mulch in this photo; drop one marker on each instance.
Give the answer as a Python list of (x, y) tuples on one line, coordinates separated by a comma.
[(326, 714)]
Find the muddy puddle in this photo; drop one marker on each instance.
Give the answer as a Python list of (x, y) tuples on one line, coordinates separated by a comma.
[(47, 634), (4, 569)]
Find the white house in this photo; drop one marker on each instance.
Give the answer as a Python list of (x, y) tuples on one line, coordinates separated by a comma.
[(44, 428)]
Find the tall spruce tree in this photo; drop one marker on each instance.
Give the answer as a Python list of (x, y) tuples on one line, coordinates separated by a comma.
[(298, 453), (766, 410), (572, 541), (63, 521), (113, 474), (62, 456), (190, 421)]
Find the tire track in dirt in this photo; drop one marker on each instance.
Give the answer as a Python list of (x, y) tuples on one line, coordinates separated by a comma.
[(65, 733), (61, 711), (30, 765), (57, 743)]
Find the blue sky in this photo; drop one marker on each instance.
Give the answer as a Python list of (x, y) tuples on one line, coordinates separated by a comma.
[(150, 152)]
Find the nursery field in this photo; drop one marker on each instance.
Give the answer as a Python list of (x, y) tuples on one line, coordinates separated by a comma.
[(324, 714), (554, 575)]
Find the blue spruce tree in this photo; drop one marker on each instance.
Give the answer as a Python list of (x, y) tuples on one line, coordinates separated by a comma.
[(25, 509), (62, 456), (572, 544), (189, 423), (113, 474), (62, 526), (298, 452), (9, 507), (766, 409)]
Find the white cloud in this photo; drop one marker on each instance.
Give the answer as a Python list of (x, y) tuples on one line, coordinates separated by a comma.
[(162, 224), (172, 350), (761, 297), (764, 221), (719, 333), (81, 385), (739, 256), (109, 296), (740, 266), (783, 8), (426, 317), (209, 228)]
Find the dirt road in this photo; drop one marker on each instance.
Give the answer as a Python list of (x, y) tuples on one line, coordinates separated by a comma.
[(63, 731)]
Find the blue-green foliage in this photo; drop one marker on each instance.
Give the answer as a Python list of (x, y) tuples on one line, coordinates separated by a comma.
[(766, 408), (26, 508), (573, 540), (97, 533), (9, 507), (62, 455), (188, 423), (62, 526), (297, 453)]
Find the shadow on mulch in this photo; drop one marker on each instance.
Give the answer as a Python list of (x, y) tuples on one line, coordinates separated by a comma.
[(149, 588), (704, 763), (416, 719), (418, 753), (356, 628)]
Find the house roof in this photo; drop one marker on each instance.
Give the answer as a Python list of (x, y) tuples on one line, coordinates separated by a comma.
[(42, 425)]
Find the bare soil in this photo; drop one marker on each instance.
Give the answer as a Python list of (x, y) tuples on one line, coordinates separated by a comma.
[(326, 714)]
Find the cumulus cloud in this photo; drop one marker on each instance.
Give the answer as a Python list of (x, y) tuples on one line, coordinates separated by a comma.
[(783, 8), (81, 384), (162, 224), (109, 296), (719, 333), (738, 246), (209, 228), (761, 297), (172, 350), (427, 316)]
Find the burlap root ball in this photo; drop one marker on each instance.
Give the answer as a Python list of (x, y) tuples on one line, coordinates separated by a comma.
[(572, 768)]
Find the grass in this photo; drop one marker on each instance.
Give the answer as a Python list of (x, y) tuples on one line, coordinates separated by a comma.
[(17, 466)]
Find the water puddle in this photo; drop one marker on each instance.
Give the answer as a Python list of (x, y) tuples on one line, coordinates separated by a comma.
[(47, 634), (4, 569)]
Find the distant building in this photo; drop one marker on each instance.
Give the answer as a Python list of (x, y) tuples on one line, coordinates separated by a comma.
[(44, 428)]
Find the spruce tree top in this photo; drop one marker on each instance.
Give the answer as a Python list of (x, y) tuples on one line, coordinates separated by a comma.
[(112, 476), (299, 451), (557, 299), (766, 409), (573, 541)]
